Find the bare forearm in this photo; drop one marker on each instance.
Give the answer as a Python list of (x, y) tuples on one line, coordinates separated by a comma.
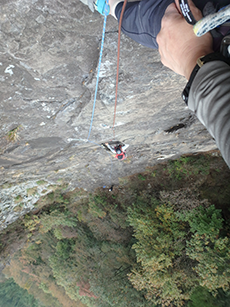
[(178, 46)]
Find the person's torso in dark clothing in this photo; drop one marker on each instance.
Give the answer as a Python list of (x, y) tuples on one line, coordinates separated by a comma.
[(142, 20)]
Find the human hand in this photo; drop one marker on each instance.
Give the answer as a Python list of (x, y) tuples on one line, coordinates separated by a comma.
[(90, 4), (179, 47)]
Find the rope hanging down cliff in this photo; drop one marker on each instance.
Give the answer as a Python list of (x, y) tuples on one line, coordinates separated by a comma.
[(105, 10), (106, 13), (118, 60)]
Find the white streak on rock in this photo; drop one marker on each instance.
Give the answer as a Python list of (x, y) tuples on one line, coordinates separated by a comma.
[(9, 70)]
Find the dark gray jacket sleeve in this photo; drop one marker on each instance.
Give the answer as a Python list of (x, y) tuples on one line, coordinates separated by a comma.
[(209, 98)]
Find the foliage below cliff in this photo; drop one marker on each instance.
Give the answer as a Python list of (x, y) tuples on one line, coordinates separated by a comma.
[(161, 238), (20, 297)]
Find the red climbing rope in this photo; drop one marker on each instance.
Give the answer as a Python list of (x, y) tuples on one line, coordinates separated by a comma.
[(118, 59)]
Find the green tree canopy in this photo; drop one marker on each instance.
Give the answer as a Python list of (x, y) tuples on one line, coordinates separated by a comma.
[(178, 251), (11, 295)]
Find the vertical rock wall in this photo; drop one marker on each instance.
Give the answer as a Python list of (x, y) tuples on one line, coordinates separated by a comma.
[(48, 62)]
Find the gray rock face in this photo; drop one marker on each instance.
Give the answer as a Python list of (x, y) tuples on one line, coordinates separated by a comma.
[(48, 64)]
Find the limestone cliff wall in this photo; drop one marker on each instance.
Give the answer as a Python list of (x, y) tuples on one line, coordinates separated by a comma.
[(48, 62)]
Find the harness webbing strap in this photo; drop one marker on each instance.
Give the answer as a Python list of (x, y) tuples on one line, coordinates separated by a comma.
[(212, 21)]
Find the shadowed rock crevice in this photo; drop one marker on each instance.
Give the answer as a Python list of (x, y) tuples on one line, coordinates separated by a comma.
[(184, 123)]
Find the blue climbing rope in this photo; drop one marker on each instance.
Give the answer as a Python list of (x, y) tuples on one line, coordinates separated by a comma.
[(106, 13)]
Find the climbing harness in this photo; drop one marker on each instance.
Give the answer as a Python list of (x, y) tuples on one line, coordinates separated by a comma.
[(208, 22)]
